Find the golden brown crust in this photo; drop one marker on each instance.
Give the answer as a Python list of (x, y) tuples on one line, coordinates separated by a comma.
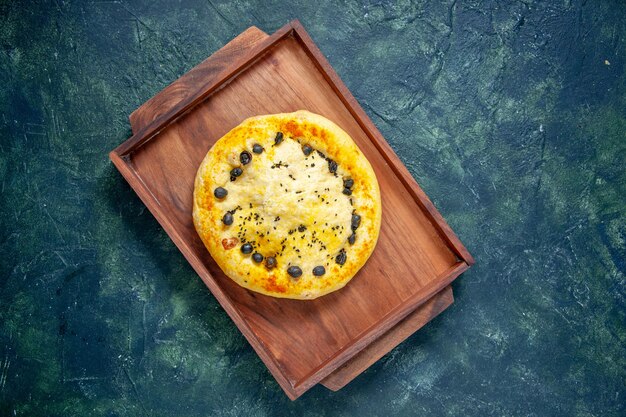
[(288, 205)]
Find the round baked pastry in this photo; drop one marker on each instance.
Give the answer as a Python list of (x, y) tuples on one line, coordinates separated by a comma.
[(287, 205)]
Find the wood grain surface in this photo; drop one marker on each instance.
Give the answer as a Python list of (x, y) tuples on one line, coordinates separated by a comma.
[(417, 254), (180, 91)]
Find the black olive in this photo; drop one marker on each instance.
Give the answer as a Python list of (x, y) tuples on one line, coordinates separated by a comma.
[(257, 257), (220, 192), (352, 238), (246, 248), (270, 262), (356, 221), (318, 271), (234, 173), (245, 157), (341, 257), (348, 183), (256, 148), (347, 191), (332, 166), (306, 149), (228, 219), (294, 271), (278, 138)]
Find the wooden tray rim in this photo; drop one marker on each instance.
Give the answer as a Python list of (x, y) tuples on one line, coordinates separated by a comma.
[(120, 157)]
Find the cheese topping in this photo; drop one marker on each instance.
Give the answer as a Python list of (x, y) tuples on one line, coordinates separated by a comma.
[(295, 205)]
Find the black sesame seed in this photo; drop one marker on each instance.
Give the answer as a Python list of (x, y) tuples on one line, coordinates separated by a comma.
[(278, 138), (256, 148), (245, 157), (220, 192), (348, 183), (347, 191), (341, 257), (294, 271), (356, 221), (257, 257), (352, 239), (246, 248), (318, 271), (306, 149), (270, 262), (228, 219)]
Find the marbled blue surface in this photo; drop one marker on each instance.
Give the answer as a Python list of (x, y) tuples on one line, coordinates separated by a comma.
[(511, 116)]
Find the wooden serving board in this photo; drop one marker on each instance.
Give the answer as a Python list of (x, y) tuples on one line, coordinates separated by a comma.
[(417, 254), (180, 91)]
